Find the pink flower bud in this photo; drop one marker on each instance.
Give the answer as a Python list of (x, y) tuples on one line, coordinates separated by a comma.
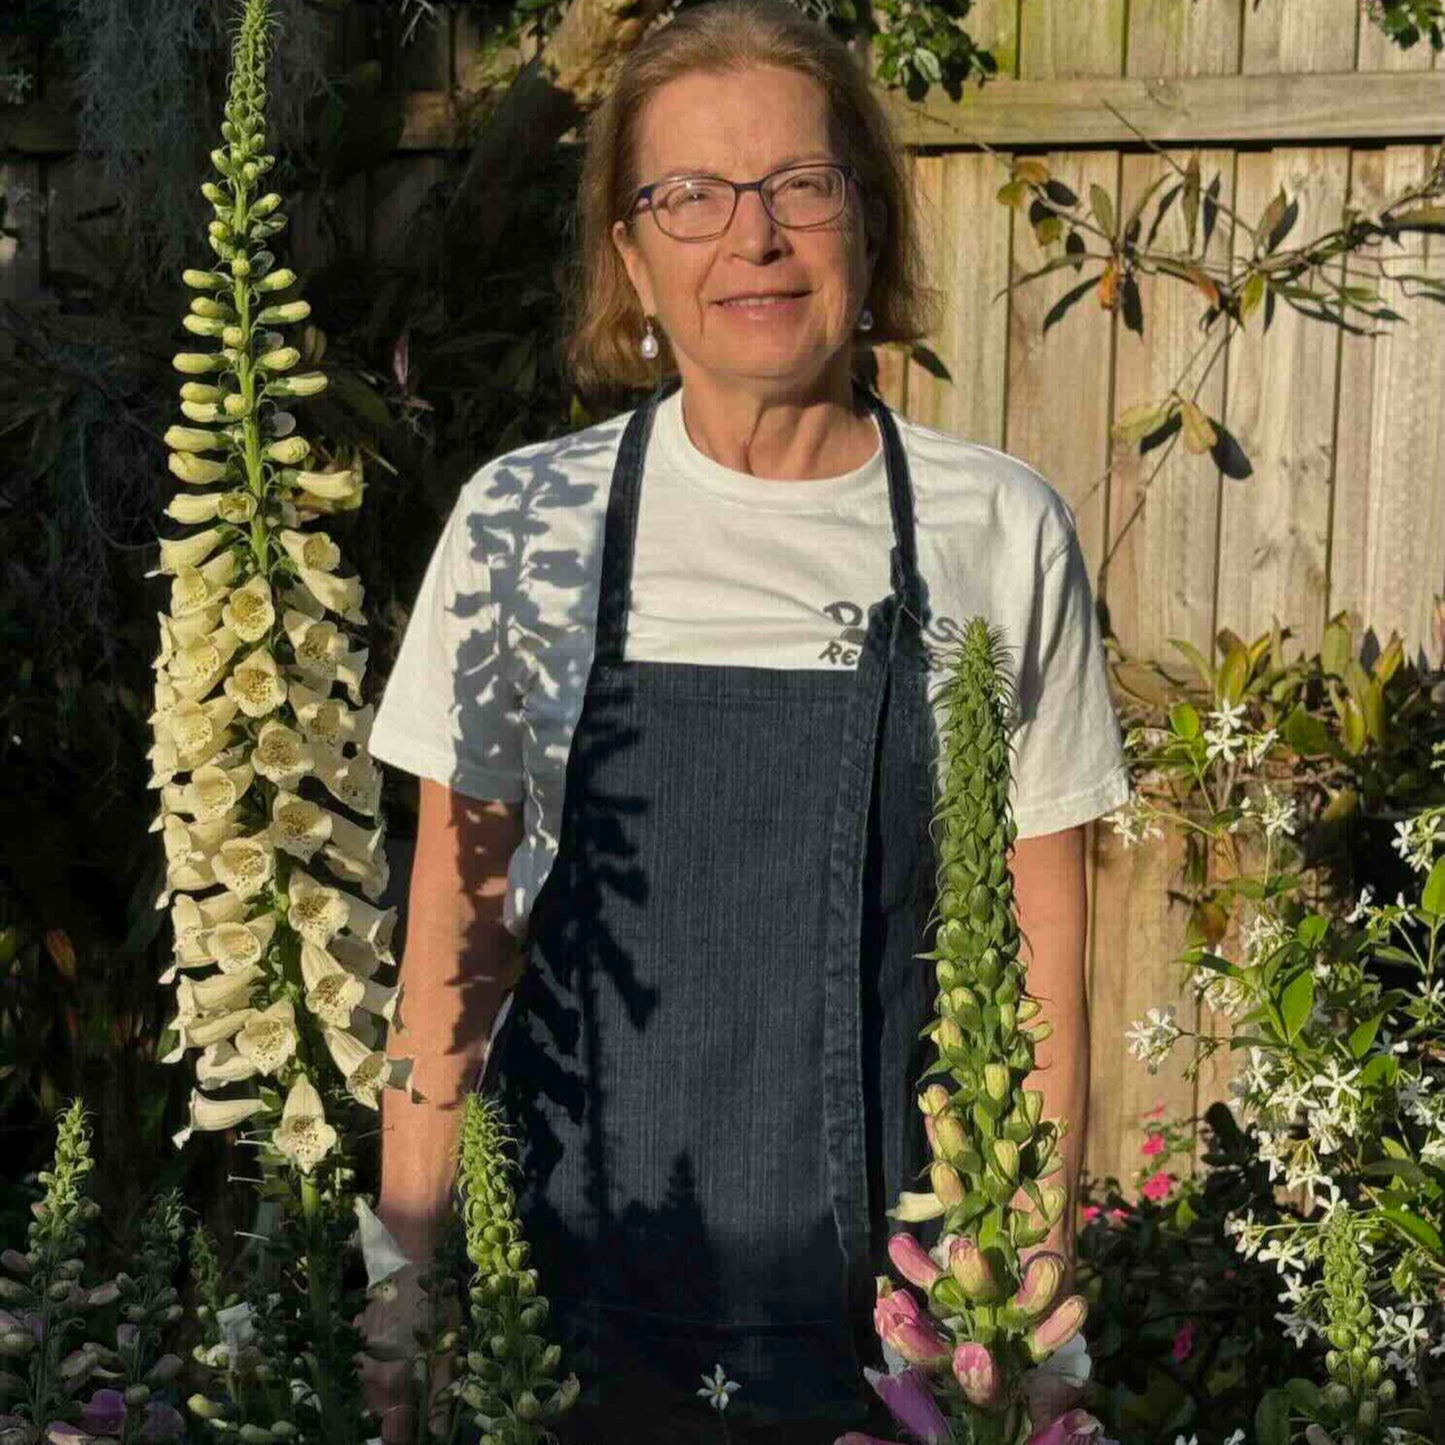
[(1043, 1274), (1060, 1327), (911, 1260), (946, 1183), (976, 1371), (973, 1272), (902, 1326)]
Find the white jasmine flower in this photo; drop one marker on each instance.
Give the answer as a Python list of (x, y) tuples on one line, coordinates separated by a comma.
[(1256, 745), (1362, 909), (1223, 739), (1417, 837), (304, 1136), (717, 1389), (1276, 814), (1152, 1039)]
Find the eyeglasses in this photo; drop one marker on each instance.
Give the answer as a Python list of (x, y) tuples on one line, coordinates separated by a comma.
[(699, 208)]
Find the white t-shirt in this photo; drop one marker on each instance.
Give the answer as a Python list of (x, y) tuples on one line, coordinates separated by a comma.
[(732, 569)]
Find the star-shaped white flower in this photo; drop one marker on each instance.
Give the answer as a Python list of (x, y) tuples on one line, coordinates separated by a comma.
[(717, 1388)]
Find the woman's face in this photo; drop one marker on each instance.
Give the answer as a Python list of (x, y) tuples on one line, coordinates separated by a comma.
[(741, 127)]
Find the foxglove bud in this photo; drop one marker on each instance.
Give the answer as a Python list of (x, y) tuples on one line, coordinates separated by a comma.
[(949, 1137), (197, 363), (903, 1327), (934, 1099), (277, 280), (977, 1373), (1043, 1275), (968, 1265), (288, 451), (1033, 1106), (948, 1035), (1058, 1329), (912, 1261), (946, 1183), (1006, 1158), (1052, 1199), (996, 1081)]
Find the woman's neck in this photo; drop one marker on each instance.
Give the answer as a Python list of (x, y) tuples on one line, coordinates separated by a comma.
[(782, 435)]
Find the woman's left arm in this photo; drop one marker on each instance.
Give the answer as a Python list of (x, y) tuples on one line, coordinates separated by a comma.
[(1052, 898)]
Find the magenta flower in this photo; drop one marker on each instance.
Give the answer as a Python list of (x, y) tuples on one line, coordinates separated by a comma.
[(1156, 1186), (1153, 1144), (103, 1413), (902, 1325), (1118, 1215), (1091, 1211), (912, 1261), (1183, 1342), (1077, 1427), (910, 1401), (976, 1371), (856, 1437)]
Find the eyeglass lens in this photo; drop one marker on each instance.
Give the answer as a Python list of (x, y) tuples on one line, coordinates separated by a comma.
[(700, 207)]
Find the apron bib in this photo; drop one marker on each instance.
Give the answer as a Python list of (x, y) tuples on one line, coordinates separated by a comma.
[(710, 1059)]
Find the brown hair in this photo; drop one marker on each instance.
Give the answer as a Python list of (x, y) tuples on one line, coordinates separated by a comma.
[(599, 345)]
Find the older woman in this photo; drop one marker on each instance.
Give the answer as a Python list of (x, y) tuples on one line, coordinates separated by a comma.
[(686, 653)]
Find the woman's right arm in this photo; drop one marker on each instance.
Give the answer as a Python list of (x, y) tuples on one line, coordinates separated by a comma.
[(458, 965)]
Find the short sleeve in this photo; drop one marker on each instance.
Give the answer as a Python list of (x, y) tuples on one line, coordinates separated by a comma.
[(450, 711), (1068, 764)]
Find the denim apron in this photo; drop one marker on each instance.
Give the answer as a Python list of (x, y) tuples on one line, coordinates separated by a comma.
[(711, 1057)]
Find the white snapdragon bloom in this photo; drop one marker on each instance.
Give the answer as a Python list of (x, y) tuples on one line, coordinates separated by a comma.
[(304, 1136)]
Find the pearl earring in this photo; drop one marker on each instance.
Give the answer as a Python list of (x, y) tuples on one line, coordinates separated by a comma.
[(648, 345), (865, 321)]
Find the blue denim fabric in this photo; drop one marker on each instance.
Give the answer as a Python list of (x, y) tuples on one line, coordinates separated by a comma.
[(711, 1057)]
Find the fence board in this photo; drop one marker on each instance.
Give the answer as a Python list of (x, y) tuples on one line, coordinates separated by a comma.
[(1388, 535), (1295, 37), (1281, 406), (1166, 38)]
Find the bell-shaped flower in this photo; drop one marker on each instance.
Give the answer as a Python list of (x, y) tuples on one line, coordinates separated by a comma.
[(354, 781), (198, 667), (256, 685), (211, 793), (304, 1136), (195, 507), (369, 874), (366, 1071), (1058, 1329), (104, 1413), (342, 595), (281, 754), (315, 911), (178, 633), (913, 1208), (327, 721), (178, 552), (321, 654), (236, 944), (338, 486), (245, 865), (379, 1251), (208, 1113), (903, 1326), (220, 990), (193, 589), (333, 993), (220, 1063), (196, 471), (249, 611), (1076, 1427), (314, 551), (910, 1400), (269, 1038), (977, 1373), (299, 826), (199, 729), (192, 919), (911, 1260), (354, 954)]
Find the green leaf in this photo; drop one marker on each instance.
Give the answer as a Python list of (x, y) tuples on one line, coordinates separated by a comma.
[(1184, 720), (1206, 673), (1432, 900), (1103, 207), (1381, 1069), (1364, 1036), (1305, 733), (1271, 1418), (1295, 1006), (1312, 929), (1415, 1229), (1229, 686), (1405, 1170)]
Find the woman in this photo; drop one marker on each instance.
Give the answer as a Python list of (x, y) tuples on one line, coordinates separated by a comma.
[(695, 643)]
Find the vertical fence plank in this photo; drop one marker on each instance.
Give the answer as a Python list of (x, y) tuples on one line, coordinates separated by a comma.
[(1388, 535), (1300, 37), (1166, 38), (1084, 37), (1281, 406)]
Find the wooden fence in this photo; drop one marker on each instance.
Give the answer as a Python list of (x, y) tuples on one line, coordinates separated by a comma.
[(1346, 507)]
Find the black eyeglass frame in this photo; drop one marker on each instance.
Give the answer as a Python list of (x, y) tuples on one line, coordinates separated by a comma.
[(644, 193)]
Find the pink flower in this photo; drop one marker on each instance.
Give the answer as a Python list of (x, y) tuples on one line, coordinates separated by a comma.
[(911, 1260), (1076, 1427), (1153, 1144), (1118, 1215), (910, 1401), (1157, 1186), (976, 1371), (1156, 1112), (1184, 1342), (1091, 1211), (902, 1325)]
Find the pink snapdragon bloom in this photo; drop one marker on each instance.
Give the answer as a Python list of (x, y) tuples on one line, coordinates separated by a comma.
[(1091, 1211), (976, 1371), (1077, 1427), (1156, 1186), (903, 1326), (910, 1401), (1153, 1144), (1183, 1342)]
